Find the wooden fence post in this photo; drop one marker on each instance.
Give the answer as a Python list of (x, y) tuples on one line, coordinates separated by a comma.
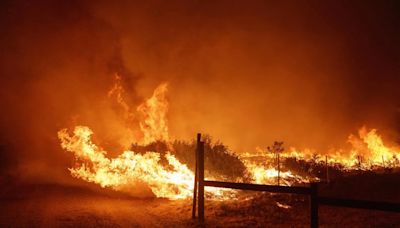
[(314, 205), (201, 182), (195, 176), (279, 170), (327, 169)]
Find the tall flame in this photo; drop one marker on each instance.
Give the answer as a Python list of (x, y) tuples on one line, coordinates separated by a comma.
[(378, 152), (154, 111), (173, 181)]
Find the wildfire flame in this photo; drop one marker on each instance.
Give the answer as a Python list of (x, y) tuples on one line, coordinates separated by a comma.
[(262, 174), (154, 110), (175, 180), (367, 152), (127, 168)]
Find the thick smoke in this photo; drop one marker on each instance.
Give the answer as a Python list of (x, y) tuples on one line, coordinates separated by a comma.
[(58, 62), (247, 73)]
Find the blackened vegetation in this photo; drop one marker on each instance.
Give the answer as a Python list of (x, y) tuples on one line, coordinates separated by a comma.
[(316, 167), (219, 159), (312, 168)]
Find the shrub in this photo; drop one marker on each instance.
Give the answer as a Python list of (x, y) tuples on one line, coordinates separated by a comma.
[(219, 161)]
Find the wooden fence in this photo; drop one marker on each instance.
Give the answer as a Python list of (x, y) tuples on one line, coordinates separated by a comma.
[(311, 191)]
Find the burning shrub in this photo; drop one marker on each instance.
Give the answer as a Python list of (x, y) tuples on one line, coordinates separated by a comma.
[(219, 160), (223, 162)]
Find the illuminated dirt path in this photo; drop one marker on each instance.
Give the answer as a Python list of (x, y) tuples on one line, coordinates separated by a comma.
[(75, 207)]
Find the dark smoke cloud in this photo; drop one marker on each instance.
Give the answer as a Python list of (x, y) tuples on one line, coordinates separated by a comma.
[(246, 72)]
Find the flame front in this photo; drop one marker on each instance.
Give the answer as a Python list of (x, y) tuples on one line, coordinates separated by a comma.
[(367, 152), (126, 169), (175, 180), (262, 174)]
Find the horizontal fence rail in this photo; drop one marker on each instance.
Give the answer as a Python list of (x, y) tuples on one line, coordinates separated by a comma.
[(259, 187), (311, 191), (362, 204)]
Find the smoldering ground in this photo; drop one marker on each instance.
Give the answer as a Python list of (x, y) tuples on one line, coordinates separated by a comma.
[(247, 73)]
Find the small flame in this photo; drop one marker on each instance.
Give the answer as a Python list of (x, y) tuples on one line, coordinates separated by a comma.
[(262, 174)]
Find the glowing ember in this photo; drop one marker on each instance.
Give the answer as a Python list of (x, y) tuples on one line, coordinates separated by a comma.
[(284, 206)]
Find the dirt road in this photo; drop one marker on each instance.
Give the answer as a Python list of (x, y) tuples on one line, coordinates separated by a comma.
[(75, 208), (66, 206)]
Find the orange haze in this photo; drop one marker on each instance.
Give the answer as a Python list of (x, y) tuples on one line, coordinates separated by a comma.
[(247, 73)]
